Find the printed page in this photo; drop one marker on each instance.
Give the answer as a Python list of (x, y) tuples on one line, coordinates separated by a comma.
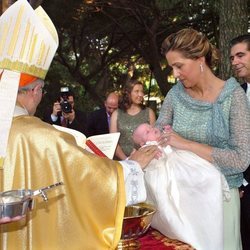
[(103, 145), (106, 143)]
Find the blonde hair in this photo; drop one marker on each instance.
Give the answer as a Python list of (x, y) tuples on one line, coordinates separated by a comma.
[(193, 45)]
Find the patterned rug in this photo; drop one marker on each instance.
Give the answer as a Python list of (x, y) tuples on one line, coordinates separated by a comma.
[(153, 239)]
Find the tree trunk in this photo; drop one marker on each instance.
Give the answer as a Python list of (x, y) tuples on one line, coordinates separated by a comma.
[(233, 22), (5, 4)]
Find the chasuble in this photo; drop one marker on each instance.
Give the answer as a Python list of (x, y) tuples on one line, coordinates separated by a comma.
[(85, 213)]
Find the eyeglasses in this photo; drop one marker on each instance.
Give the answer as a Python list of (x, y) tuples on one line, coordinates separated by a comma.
[(44, 92)]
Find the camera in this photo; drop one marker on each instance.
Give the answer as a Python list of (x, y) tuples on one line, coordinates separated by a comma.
[(65, 105)]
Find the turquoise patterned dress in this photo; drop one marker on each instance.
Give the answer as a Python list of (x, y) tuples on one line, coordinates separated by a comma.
[(223, 124)]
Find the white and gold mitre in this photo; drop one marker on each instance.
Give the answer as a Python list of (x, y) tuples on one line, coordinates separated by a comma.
[(28, 40)]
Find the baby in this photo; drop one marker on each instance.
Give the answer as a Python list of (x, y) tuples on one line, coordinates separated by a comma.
[(187, 192), (146, 134)]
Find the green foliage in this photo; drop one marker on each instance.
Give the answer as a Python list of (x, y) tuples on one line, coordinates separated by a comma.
[(103, 42)]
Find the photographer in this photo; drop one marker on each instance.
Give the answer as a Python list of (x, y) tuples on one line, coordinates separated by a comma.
[(64, 114)]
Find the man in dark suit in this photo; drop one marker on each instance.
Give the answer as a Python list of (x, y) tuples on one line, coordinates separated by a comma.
[(63, 113), (240, 60), (98, 120)]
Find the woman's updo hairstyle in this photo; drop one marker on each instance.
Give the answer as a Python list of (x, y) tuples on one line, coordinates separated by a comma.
[(193, 45)]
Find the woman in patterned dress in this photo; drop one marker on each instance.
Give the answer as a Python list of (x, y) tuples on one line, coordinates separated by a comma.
[(130, 113), (209, 116)]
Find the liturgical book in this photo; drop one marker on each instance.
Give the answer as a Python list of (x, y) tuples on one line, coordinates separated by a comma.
[(103, 145)]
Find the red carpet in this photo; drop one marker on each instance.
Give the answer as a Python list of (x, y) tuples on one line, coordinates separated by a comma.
[(153, 239)]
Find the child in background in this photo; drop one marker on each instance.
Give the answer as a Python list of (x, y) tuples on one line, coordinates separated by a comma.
[(187, 192)]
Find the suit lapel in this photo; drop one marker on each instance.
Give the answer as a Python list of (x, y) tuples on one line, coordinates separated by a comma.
[(244, 86)]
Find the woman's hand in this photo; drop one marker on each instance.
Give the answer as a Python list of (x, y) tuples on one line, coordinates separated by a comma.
[(171, 138)]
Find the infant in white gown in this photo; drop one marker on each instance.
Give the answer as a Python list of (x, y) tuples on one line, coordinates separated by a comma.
[(188, 193)]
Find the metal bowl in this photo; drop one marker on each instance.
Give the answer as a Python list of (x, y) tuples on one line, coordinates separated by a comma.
[(136, 221), (16, 203)]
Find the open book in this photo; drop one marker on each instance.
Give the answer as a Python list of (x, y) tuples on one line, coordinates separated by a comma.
[(103, 145)]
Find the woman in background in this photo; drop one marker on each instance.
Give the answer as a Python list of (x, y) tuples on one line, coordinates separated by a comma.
[(209, 117), (130, 113)]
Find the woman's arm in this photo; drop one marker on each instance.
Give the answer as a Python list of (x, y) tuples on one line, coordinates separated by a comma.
[(113, 122), (152, 117), (166, 113), (119, 153), (237, 156), (169, 137), (113, 129)]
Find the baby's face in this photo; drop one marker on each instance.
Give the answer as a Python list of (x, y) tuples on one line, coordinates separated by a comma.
[(149, 133)]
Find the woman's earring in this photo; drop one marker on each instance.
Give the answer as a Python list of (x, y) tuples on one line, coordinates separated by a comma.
[(201, 68)]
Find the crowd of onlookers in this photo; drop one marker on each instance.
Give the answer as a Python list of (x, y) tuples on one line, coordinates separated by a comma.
[(120, 113), (65, 113)]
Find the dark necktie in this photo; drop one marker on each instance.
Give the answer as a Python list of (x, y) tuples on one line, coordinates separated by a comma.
[(64, 122)]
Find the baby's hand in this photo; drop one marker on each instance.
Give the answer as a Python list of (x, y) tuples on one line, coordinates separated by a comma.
[(158, 155), (167, 128), (163, 140)]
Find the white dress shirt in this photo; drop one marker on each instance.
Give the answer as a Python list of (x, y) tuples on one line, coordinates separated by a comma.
[(248, 91)]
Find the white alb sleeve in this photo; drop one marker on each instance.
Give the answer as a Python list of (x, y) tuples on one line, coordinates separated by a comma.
[(134, 182)]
